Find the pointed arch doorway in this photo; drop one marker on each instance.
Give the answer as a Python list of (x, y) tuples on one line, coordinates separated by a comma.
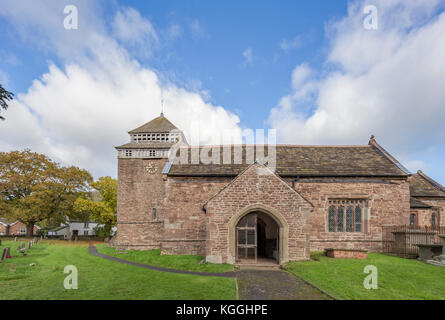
[(257, 239)]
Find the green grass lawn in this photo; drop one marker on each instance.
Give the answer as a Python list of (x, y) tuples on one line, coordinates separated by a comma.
[(98, 278), (154, 257), (397, 278)]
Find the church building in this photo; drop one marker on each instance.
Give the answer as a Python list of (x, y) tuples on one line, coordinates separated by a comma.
[(315, 197)]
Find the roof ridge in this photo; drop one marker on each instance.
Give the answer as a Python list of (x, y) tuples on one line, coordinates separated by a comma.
[(433, 182), (243, 171), (169, 126), (387, 155), (281, 145)]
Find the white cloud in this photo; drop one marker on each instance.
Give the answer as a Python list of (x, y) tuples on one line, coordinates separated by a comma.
[(197, 31), (248, 56), (174, 31), (77, 113), (288, 45), (134, 30), (387, 82)]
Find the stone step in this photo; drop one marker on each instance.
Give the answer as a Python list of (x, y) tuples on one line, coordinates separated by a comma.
[(257, 267)]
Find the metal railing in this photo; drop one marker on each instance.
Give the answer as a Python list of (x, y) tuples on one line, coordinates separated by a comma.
[(403, 240)]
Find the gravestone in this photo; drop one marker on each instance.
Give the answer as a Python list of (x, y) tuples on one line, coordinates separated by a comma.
[(29, 245), (15, 239), (4, 253), (439, 260)]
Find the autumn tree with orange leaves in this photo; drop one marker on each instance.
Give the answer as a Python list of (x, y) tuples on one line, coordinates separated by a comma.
[(33, 188)]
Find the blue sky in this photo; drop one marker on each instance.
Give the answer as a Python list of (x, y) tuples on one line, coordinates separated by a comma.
[(213, 56), (306, 68)]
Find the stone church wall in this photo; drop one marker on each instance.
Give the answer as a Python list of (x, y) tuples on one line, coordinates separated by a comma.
[(440, 204), (388, 203), (141, 189), (185, 220)]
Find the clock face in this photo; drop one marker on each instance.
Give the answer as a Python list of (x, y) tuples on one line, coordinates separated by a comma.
[(151, 168)]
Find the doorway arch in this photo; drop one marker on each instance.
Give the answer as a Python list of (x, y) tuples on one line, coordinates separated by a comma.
[(273, 218)]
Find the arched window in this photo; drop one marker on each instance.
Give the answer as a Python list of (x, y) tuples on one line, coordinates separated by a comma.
[(358, 219), (349, 220), (331, 219), (340, 215), (412, 220), (433, 220)]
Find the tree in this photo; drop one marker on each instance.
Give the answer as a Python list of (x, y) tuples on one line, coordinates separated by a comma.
[(5, 96), (102, 210), (33, 188)]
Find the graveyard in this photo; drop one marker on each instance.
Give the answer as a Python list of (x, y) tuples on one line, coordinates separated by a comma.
[(33, 269), (39, 275), (398, 278)]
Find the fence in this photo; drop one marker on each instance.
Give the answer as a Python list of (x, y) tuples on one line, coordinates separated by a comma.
[(402, 240)]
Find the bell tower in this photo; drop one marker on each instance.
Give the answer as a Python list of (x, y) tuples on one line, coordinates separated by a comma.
[(151, 140), (141, 187)]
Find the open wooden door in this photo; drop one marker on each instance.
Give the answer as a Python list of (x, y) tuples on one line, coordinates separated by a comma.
[(246, 238)]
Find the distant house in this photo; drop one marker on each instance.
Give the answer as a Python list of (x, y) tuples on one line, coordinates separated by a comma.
[(16, 228), (74, 229), (4, 227)]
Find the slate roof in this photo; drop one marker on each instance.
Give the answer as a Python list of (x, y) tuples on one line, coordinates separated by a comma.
[(309, 161), (423, 186), (159, 124), (417, 204)]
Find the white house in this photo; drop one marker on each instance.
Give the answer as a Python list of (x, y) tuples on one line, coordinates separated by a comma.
[(75, 228)]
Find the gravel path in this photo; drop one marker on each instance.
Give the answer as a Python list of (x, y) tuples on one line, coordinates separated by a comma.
[(253, 284), (275, 285)]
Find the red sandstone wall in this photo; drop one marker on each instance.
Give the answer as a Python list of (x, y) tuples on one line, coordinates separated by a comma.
[(138, 193), (388, 202), (181, 225), (441, 205), (423, 217), (251, 188), (185, 221)]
